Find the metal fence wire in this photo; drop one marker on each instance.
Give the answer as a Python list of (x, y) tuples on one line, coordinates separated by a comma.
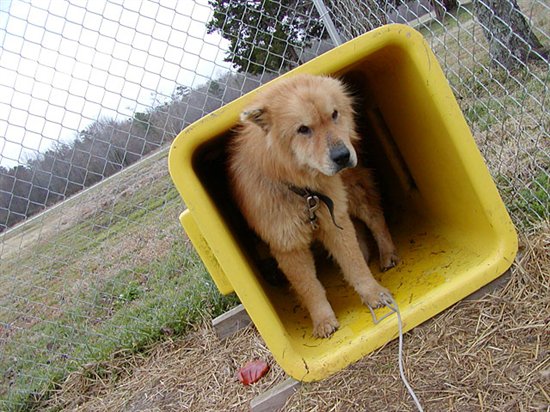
[(93, 92)]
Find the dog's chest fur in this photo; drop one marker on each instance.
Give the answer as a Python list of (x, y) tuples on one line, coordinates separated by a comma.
[(279, 215)]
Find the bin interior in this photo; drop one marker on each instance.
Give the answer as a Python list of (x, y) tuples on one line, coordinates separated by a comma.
[(440, 226)]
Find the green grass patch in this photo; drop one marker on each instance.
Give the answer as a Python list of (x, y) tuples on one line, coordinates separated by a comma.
[(436, 28), (130, 311), (532, 202), (486, 114)]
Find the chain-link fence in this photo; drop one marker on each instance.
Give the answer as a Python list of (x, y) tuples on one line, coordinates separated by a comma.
[(93, 260)]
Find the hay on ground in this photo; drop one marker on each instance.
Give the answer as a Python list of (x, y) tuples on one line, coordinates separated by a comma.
[(487, 354)]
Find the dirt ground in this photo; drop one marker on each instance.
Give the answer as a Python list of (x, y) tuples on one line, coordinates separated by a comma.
[(490, 353)]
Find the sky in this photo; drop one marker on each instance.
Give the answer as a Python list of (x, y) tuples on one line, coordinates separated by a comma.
[(65, 63)]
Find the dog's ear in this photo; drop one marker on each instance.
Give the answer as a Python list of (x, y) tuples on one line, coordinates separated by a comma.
[(258, 116)]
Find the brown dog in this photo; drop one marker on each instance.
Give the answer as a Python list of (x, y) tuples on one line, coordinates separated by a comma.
[(293, 175)]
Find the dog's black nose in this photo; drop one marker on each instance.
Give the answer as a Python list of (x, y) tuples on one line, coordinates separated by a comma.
[(340, 155)]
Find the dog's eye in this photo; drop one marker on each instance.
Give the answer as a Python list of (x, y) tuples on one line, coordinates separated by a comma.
[(335, 115), (303, 129)]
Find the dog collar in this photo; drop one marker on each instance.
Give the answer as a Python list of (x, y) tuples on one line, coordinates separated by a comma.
[(313, 202)]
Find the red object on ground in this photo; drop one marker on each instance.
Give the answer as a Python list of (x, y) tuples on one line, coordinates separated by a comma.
[(252, 371)]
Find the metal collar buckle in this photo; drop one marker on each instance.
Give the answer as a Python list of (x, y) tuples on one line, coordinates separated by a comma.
[(313, 203)]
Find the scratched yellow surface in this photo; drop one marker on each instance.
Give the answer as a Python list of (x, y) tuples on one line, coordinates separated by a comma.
[(451, 229)]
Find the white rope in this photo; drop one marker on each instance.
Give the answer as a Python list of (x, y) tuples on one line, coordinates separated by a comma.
[(388, 300), (392, 305)]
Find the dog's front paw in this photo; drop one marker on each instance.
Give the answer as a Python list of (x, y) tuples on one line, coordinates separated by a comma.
[(377, 296), (388, 260), (324, 327)]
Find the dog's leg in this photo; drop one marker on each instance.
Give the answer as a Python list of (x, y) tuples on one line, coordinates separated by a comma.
[(361, 234), (299, 268), (374, 218), (343, 246), (364, 204)]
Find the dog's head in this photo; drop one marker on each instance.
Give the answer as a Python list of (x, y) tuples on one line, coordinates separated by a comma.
[(310, 119)]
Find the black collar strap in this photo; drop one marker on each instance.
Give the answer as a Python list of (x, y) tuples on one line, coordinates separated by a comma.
[(312, 201)]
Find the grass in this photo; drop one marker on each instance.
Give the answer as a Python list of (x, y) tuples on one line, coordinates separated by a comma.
[(532, 202), (118, 280), (509, 119), (128, 312)]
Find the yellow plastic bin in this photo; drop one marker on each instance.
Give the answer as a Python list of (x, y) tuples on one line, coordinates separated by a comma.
[(450, 226)]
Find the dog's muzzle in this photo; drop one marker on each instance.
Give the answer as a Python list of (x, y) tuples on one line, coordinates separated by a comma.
[(341, 157)]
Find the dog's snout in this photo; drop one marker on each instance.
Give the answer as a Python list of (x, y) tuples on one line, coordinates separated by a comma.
[(340, 155)]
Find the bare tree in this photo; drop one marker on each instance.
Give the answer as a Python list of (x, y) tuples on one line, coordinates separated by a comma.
[(511, 39), (442, 7)]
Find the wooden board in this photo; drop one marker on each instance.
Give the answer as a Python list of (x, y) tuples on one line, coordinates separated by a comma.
[(230, 322), (275, 398)]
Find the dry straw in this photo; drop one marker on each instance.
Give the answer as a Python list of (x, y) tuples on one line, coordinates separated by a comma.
[(489, 353)]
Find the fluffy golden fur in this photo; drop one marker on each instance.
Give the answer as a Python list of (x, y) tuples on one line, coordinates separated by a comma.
[(300, 133)]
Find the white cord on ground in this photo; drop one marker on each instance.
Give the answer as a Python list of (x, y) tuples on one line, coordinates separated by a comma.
[(392, 305)]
